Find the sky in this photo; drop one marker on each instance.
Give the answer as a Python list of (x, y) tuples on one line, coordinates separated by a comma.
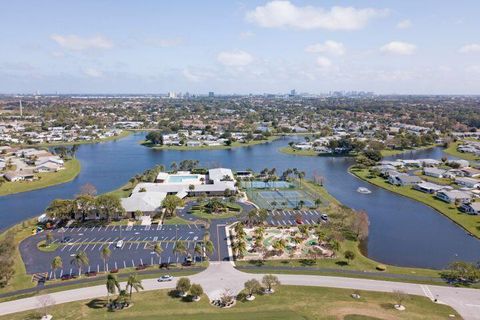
[(119, 46)]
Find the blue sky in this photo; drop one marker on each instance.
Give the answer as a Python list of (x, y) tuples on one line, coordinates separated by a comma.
[(409, 46)]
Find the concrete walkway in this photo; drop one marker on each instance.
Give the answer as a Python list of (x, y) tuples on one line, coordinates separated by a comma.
[(222, 275)]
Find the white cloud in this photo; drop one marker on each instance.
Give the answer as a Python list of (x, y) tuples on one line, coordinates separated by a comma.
[(93, 73), (404, 24), (398, 47), (235, 58), (470, 48), (277, 14), (324, 62), (77, 43), (190, 76), (328, 47)]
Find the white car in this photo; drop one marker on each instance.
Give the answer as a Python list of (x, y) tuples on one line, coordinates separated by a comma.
[(165, 278), (119, 244)]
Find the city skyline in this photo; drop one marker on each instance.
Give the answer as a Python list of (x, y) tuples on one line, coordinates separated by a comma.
[(240, 48)]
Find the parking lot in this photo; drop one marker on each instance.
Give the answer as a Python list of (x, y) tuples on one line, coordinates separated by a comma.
[(288, 217), (137, 248)]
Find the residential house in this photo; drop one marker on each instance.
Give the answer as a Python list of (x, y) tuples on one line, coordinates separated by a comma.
[(404, 179), (434, 172), (467, 182), (471, 172), (471, 208), (452, 196), (428, 187)]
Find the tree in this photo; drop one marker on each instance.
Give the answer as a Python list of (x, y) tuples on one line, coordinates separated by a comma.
[(112, 285), (171, 203), (179, 248), (80, 259), (462, 272), (349, 255), (196, 291), (57, 263), (252, 286), (109, 206), (279, 246), (270, 281), (158, 249), (399, 297), (60, 209), (105, 253), (48, 238), (133, 282), (239, 231), (183, 285), (373, 155), (88, 189), (360, 225), (155, 137), (209, 248)]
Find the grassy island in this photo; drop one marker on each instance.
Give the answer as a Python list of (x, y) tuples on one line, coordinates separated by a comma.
[(234, 144)]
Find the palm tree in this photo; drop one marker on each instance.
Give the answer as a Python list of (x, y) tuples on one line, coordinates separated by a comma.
[(239, 248), (279, 246), (57, 263), (80, 259), (112, 285), (209, 248), (105, 253), (179, 248), (239, 231), (133, 282), (198, 250), (158, 249)]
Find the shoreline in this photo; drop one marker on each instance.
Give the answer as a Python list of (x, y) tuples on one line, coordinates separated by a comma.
[(206, 148), (72, 169), (472, 233)]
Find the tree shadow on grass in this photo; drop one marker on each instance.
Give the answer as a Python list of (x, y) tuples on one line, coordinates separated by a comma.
[(33, 316), (341, 263), (387, 306), (97, 303), (307, 262), (257, 263)]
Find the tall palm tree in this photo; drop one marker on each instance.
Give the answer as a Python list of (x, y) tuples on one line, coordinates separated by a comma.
[(158, 249), (133, 282), (105, 253), (209, 248), (279, 246), (239, 231), (198, 250), (80, 259), (179, 248), (57, 263), (112, 285)]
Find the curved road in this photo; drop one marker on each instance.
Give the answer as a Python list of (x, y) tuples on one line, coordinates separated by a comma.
[(222, 275)]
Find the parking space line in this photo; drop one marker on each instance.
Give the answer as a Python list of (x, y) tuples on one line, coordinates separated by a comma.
[(131, 244), (133, 264), (138, 245), (124, 264)]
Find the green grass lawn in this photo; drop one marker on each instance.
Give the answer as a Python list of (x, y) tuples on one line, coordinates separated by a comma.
[(72, 169), (203, 214), (290, 150), (288, 302), (468, 222), (452, 150), (390, 152), (187, 148)]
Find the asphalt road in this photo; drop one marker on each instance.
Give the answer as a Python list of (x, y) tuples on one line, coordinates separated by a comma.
[(222, 275)]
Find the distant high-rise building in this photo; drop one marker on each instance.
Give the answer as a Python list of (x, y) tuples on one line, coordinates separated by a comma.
[(172, 95), (211, 94), (293, 92)]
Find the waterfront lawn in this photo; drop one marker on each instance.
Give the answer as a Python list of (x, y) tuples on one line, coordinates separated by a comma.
[(452, 150), (390, 152), (290, 150), (288, 302), (470, 223), (234, 144), (72, 169)]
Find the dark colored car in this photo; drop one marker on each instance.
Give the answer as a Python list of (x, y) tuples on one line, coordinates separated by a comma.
[(114, 271), (68, 276), (141, 267), (164, 265), (66, 239), (91, 273)]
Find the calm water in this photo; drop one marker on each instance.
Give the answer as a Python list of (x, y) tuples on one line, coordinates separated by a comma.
[(402, 231)]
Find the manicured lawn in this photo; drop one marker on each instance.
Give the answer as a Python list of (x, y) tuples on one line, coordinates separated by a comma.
[(187, 148), (42, 246), (289, 302), (290, 150), (389, 152), (468, 222), (452, 150), (203, 214), (72, 169)]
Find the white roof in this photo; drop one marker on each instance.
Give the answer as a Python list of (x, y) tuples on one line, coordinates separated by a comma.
[(175, 188), (217, 174), (162, 176), (143, 201)]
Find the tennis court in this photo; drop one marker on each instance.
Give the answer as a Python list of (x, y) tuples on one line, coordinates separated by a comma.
[(266, 185), (274, 199)]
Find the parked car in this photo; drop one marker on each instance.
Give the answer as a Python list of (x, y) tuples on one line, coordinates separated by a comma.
[(114, 271), (164, 265), (68, 276), (299, 220), (141, 267), (66, 239), (165, 278), (324, 217), (91, 273), (119, 244)]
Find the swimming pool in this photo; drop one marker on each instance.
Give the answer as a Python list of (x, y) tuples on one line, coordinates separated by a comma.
[(181, 179)]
